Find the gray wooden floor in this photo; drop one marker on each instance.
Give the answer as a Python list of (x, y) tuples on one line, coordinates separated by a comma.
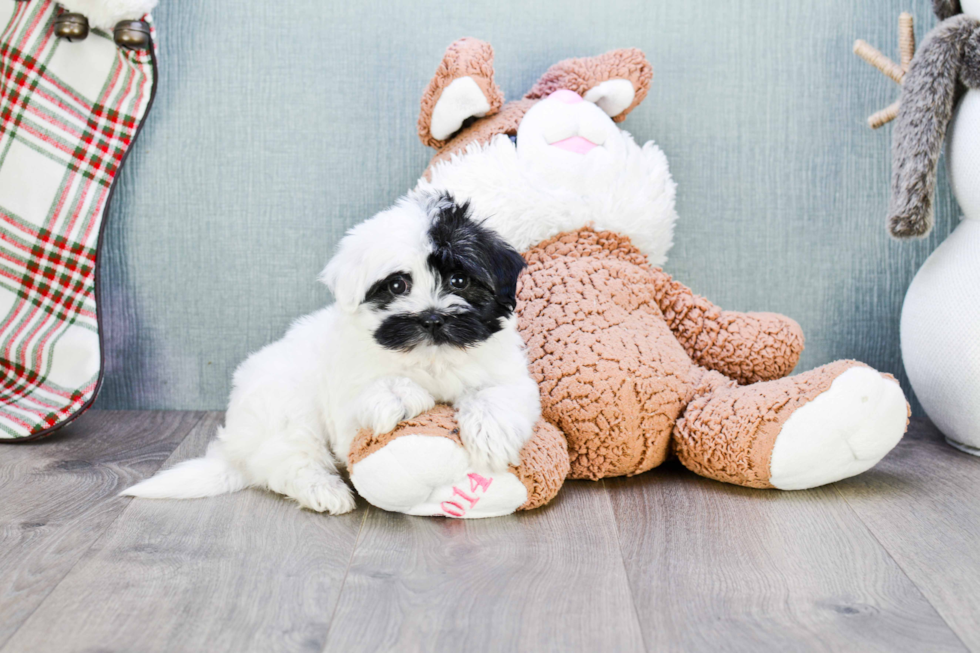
[(889, 561)]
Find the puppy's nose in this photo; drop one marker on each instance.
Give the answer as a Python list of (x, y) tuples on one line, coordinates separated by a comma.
[(432, 321)]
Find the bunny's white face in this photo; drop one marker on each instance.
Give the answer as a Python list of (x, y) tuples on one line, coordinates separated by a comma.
[(570, 141), (572, 166)]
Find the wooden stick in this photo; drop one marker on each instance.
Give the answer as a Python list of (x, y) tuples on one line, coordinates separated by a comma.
[(906, 39), (874, 57), (906, 48), (884, 116)]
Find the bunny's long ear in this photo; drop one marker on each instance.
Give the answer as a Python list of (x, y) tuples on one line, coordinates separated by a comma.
[(462, 88), (616, 81), (946, 8), (928, 95)]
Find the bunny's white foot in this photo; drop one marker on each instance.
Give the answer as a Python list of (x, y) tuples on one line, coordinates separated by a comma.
[(431, 475), (842, 432)]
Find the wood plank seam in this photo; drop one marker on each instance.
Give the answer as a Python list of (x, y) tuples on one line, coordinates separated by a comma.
[(98, 539), (343, 583), (884, 548), (622, 560)]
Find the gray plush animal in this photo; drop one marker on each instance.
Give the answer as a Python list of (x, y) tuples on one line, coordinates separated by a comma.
[(948, 61)]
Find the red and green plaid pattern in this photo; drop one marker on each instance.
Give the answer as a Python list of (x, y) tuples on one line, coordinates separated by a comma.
[(68, 114)]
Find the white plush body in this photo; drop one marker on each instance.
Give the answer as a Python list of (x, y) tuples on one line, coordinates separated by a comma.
[(297, 404), (940, 329), (104, 14)]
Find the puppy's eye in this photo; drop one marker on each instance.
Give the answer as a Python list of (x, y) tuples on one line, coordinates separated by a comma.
[(459, 281), (399, 286)]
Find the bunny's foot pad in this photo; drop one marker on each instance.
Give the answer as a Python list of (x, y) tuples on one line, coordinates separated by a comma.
[(430, 475), (843, 432), (421, 468), (795, 433)]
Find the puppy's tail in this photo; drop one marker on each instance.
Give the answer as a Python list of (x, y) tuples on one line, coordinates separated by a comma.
[(192, 479)]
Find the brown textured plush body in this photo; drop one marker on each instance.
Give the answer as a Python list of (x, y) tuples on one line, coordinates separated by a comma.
[(594, 316), (592, 326), (660, 365)]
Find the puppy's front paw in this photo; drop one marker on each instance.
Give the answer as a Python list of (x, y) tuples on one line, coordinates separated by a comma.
[(388, 401), (331, 496), (493, 438), (317, 490)]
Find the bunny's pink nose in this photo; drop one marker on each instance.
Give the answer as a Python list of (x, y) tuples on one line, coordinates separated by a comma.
[(566, 96)]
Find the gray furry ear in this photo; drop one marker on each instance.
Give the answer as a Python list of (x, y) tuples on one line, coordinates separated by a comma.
[(946, 8), (970, 70), (928, 96)]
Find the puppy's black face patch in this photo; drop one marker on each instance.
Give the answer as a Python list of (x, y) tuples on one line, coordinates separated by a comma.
[(405, 331), (386, 291), (470, 262)]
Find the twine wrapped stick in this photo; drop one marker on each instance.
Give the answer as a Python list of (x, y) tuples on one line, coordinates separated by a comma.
[(906, 47)]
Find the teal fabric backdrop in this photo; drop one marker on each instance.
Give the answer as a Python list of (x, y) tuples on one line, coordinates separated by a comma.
[(279, 125)]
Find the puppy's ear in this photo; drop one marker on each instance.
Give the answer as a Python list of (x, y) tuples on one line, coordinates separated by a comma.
[(462, 88), (507, 266), (345, 276)]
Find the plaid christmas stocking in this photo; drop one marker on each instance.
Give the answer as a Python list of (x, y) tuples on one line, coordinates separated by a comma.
[(69, 112)]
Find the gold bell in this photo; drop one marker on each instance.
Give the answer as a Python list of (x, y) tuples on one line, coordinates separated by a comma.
[(72, 27), (132, 34)]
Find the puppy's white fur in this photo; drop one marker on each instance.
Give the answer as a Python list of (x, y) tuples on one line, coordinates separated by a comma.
[(297, 404)]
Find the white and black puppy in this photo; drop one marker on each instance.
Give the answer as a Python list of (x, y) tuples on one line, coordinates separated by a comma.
[(424, 313)]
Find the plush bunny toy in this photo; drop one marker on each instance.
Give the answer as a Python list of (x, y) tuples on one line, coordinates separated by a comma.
[(633, 367), (941, 314)]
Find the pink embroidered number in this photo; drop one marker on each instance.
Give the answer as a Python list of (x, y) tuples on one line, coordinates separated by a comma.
[(478, 485), (477, 481)]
